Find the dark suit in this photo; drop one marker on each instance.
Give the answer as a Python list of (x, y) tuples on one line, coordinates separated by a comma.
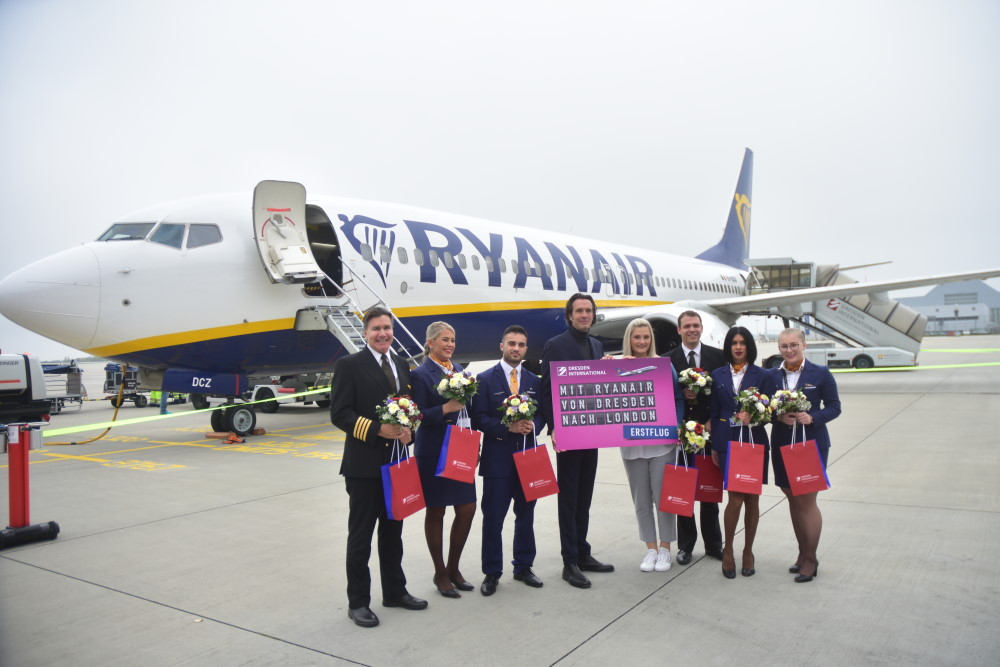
[(496, 466), (700, 411), (576, 470), (358, 387), (821, 389)]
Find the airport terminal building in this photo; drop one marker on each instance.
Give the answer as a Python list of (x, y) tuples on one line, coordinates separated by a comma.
[(968, 307)]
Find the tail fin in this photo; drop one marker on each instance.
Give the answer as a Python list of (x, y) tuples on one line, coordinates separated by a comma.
[(734, 248)]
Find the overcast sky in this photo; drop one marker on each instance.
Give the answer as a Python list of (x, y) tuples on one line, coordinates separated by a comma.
[(874, 124)]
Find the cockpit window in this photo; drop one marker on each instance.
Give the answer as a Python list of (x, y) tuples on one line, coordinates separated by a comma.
[(127, 231), (168, 234), (199, 235)]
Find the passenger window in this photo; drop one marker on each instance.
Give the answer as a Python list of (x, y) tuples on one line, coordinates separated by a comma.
[(449, 261), (475, 261), (168, 234), (127, 231), (384, 254), (418, 256), (201, 235), (366, 252), (461, 260), (489, 264), (503, 265), (432, 255), (401, 254)]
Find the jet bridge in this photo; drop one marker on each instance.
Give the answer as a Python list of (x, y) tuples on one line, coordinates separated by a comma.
[(866, 320)]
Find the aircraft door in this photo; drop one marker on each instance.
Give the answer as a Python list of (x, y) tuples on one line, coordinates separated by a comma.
[(279, 221)]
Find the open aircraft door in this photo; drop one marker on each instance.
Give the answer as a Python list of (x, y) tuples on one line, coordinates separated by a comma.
[(279, 222)]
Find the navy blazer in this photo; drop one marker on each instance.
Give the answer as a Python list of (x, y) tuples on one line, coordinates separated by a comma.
[(499, 444), (561, 348), (358, 387), (430, 436), (821, 389), (724, 404)]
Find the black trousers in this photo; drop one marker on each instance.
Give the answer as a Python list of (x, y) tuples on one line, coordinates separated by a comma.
[(687, 530), (367, 508), (575, 472)]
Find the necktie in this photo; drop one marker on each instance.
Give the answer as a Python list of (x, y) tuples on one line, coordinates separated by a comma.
[(691, 363), (513, 381), (388, 373)]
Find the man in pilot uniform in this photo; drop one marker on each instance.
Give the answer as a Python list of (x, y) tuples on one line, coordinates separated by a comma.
[(361, 382)]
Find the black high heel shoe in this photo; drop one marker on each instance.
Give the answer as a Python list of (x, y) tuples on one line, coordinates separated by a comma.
[(794, 569), (749, 571), (805, 578)]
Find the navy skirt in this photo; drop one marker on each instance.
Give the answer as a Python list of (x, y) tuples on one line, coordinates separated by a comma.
[(441, 491)]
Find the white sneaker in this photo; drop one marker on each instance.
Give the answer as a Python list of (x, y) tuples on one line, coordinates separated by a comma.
[(649, 562), (662, 560)]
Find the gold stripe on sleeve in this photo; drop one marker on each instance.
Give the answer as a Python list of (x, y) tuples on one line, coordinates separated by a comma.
[(361, 427)]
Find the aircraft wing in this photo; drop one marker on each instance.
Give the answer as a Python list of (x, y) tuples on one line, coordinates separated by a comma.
[(756, 302)]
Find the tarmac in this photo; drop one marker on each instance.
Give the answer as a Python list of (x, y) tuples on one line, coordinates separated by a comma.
[(177, 549)]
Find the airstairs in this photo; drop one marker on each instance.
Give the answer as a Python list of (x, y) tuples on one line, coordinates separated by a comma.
[(867, 320), (344, 320)]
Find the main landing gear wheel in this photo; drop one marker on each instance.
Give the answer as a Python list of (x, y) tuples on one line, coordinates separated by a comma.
[(271, 406), (199, 401), (240, 419)]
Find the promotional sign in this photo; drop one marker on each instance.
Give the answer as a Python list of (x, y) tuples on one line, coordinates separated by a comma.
[(613, 403)]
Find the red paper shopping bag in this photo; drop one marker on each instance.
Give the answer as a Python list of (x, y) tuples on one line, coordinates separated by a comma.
[(804, 468), (709, 488), (459, 454), (534, 469), (678, 490), (401, 486), (745, 467)]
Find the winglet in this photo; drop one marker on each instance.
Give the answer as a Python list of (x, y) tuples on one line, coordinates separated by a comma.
[(734, 248)]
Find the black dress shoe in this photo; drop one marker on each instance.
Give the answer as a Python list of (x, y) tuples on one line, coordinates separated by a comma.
[(717, 555), (406, 601), (449, 593), (591, 564), (528, 577), (489, 586), (683, 557), (463, 585), (573, 576), (794, 569), (729, 574), (363, 616), (804, 578)]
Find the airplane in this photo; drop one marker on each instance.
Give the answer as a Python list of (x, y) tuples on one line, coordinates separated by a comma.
[(273, 285)]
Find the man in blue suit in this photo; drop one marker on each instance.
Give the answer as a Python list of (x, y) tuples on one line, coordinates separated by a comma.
[(496, 466), (576, 470)]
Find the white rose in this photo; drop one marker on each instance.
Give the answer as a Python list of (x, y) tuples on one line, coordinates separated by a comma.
[(393, 409)]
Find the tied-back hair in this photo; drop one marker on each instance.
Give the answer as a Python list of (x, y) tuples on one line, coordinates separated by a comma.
[(751, 344), (791, 331), (434, 329), (638, 323)]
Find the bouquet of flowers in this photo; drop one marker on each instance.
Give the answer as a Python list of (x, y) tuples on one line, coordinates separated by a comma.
[(517, 408), (758, 405), (693, 437), (459, 386), (790, 400), (696, 379), (400, 410)]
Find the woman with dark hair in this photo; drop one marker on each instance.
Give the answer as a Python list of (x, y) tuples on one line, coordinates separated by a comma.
[(440, 492), (739, 373)]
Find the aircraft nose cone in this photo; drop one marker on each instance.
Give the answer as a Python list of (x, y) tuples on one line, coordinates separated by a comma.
[(57, 297)]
